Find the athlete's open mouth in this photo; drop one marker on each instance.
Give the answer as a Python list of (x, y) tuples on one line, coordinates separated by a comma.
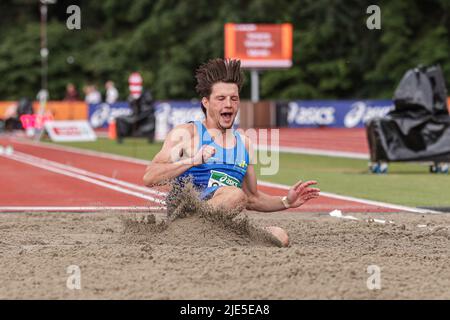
[(227, 116)]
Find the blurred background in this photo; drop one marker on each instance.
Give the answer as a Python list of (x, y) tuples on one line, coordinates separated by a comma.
[(335, 55)]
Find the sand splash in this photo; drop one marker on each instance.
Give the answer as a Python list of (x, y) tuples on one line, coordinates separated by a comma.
[(190, 221)]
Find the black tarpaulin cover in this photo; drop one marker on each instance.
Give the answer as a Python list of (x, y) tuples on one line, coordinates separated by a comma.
[(418, 129)]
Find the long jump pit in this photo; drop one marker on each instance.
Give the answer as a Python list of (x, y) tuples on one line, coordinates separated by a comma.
[(89, 242)]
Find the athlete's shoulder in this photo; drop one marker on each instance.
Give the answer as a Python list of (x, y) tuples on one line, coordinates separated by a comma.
[(185, 129), (180, 133)]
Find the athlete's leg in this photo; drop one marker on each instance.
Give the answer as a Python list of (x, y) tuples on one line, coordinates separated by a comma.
[(229, 198), (232, 198)]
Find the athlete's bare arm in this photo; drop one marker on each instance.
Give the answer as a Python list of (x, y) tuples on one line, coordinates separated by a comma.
[(260, 201), (176, 156)]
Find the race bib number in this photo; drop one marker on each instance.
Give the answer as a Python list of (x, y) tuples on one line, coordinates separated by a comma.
[(218, 178)]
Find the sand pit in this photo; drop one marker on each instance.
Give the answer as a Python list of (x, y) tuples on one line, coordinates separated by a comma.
[(190, 231), (194, 259)]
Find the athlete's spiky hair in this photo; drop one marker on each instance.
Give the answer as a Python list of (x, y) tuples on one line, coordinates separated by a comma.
[(217, 70)]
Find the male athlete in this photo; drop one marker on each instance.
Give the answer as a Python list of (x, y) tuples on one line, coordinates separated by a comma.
[(218, 158)]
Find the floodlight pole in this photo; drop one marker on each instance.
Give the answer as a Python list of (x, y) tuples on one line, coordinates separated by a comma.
[(44, 49), (254, 74), (43, 93)]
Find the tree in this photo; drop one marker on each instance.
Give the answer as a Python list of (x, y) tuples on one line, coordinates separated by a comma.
[(335, 55)]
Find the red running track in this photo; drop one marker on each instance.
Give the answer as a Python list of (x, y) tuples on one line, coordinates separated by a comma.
[(328, 139), (24, 184)]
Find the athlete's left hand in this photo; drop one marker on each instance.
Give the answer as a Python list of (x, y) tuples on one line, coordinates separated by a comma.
[(301, 192)]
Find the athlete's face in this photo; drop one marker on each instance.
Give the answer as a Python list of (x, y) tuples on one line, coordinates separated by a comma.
[(222, 105)]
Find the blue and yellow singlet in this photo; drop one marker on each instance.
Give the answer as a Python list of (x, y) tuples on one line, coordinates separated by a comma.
[(227, 167)]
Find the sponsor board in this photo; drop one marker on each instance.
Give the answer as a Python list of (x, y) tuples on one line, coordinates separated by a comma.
[(173, 113), (338, 113), (69, 131), (101, 114), (302, 113), (60, 110), (34, 121), (168, 114), (259, 46)]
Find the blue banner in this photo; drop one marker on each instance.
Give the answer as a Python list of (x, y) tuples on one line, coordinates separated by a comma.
[(171, 112), (335, 113), (168, 114), (301, 113), (101, 114)]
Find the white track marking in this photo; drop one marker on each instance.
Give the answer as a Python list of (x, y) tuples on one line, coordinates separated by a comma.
[(318, 152), (380, 204), (87, 179), (92, 174), (83, 152), (363, 201), (79, 209), (310, 151)]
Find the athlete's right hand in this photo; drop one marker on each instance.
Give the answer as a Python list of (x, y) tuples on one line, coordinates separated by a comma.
[(204, 154)]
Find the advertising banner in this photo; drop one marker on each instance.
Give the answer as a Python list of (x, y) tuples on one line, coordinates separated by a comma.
[(335, 113), (259, 46), (168, 114), (172, 113), (101, 114), (60, 110), (69, 131)]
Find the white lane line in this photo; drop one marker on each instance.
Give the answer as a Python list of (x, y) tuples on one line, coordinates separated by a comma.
[(78, 209), (92, 174), (363, 201), (310, 151), (91, 153), (86, 179), (317, 152)]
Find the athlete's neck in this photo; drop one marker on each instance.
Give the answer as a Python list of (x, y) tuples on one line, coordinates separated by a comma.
[(221, 136), (211, 125)]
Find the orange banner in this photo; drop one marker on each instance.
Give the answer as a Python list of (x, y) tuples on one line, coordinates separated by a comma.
[(61, 110), (259, 46), (6, 107)]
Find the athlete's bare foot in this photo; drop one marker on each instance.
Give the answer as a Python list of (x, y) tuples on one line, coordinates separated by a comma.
[(280, 236)]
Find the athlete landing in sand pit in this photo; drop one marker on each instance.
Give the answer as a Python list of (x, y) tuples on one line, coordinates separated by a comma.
[(218, 158)]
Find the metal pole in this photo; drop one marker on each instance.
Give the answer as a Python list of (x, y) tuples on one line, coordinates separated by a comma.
[(43, 93), (44, 49), (255, 85)]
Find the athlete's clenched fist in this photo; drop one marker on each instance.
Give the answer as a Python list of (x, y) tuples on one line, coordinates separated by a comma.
[(204, 154)]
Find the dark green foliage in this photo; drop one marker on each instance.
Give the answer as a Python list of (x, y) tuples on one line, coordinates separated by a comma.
[(335, 55)]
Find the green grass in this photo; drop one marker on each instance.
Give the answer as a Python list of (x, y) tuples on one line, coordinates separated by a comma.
[(405, 184)]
